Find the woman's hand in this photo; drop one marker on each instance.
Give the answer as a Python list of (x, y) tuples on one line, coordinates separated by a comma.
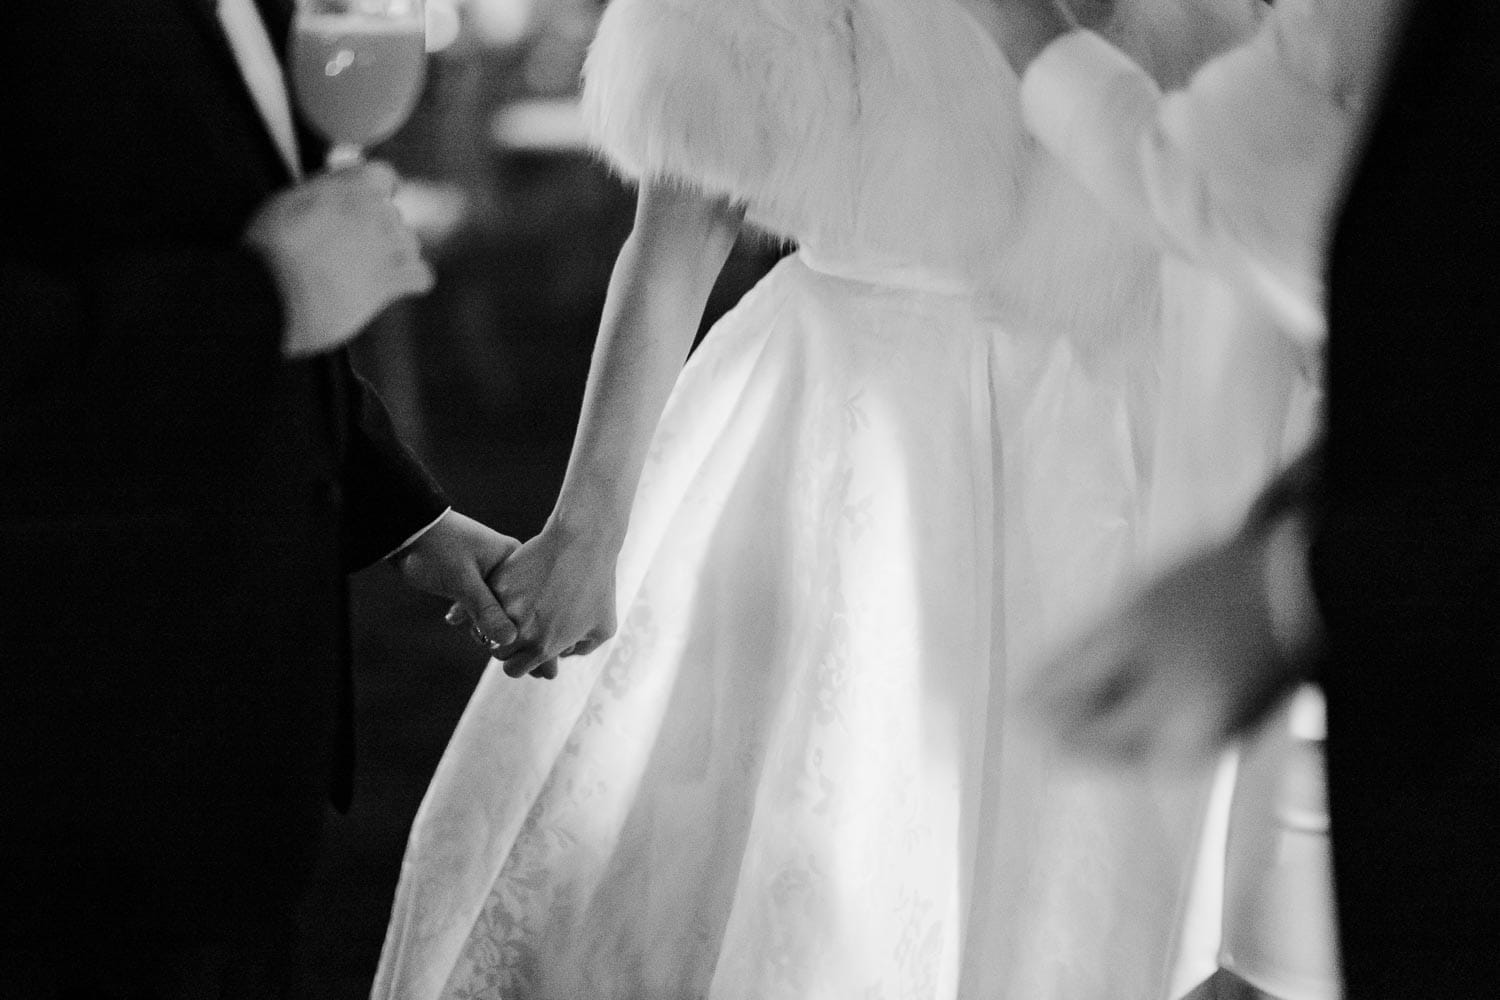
[(559, 590)]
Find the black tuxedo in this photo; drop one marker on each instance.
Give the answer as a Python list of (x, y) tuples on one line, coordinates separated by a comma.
[(178, 504), (1406, 557)]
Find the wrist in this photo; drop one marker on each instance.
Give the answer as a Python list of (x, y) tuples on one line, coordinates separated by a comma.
[(429, 531), (593, 526)]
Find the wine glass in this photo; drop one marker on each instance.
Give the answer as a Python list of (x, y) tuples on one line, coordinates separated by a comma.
[(357, 69)]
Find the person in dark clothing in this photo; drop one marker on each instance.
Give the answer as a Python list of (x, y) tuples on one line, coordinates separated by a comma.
[(188, 469)]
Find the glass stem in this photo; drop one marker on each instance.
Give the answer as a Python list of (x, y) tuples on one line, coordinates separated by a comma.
[(342, 155)]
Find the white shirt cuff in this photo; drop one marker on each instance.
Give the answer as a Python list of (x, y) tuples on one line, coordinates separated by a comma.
[(418, 534)]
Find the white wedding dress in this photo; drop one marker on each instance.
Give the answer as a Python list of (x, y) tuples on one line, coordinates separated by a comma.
[(905, 463)]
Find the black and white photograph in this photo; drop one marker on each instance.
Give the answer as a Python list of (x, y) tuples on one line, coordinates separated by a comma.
[(750, 500)]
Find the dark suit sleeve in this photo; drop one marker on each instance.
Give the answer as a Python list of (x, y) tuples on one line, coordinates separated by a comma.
[(169, 360), (209, 312), (388, 494), (147, 360)]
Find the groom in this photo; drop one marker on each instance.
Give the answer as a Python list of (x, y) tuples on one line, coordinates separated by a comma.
[(188, 468)]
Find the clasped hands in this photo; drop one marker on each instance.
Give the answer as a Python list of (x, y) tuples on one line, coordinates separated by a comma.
[(530, 604), (339, 253)]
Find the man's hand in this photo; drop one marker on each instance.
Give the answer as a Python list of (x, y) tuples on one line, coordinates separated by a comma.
[(454, 559), (1189, 663), (340, 255)]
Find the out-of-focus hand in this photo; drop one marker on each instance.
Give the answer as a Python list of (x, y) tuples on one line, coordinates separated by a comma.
[(559, 589), (454, 559), (1189, 663), (339, 253)]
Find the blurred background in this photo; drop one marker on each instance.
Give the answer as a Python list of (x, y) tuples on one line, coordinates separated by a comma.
[(484, 377)]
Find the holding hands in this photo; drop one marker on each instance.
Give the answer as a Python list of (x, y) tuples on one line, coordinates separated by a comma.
[(455, 559), (558, 590)]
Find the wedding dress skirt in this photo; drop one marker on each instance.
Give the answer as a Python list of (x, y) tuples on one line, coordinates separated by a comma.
[(907, 462), (792, 774)]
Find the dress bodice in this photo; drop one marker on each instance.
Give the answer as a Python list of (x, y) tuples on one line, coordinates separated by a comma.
[(882, 136), (866, 130)]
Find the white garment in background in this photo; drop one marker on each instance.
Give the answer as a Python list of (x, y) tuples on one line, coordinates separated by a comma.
[(1240, 170), (1238, 174), (900, 468), (1280, 932)]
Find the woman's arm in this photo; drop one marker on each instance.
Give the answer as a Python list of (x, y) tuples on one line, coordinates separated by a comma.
[(660, 283), (559, 588)]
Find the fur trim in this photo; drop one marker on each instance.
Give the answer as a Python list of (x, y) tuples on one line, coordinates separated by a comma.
[(807, 111), (879, 133)]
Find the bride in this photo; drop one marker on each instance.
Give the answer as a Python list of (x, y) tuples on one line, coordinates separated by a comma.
[(907, 461)]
